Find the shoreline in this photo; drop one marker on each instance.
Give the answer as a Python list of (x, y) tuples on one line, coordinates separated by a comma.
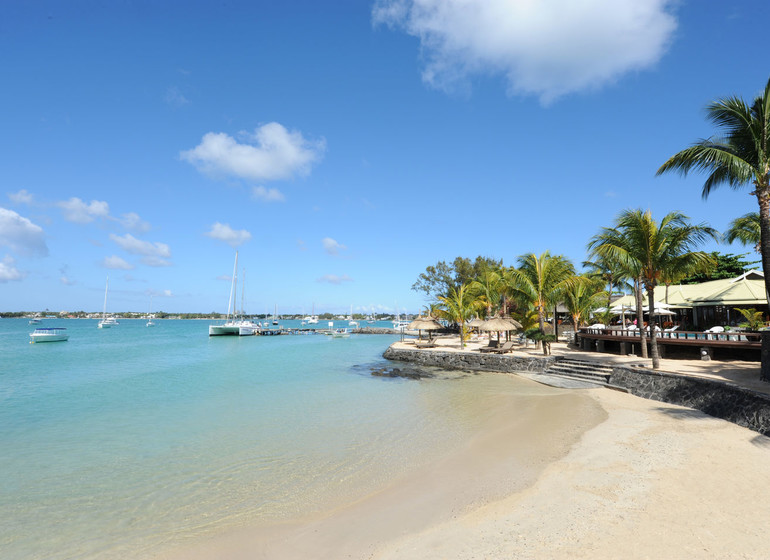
[(505, 456), (613, 476)]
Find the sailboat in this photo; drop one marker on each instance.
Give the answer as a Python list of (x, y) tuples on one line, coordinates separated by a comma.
[(352, 322), (230, 326), (275, 315), (313, 318), (150, 322), (246, 327), (107, 322)]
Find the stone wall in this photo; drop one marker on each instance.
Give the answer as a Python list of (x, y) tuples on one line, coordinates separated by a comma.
[(744, 407), (469, 361)]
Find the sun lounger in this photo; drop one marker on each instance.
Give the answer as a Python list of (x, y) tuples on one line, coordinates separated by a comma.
[(493, 346), (507, 347), (426, 344)]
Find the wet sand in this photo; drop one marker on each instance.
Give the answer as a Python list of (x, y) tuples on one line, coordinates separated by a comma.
[(603, 475)]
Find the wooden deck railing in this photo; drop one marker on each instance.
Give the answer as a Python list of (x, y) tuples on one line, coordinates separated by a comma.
[(695, 336)]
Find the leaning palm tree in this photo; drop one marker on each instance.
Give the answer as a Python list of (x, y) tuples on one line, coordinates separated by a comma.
[(538, 281), (459, 306), (655, 250), (746, 230), (740, 158)]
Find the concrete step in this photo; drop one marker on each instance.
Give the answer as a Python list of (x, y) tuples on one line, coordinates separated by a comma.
[(598, 366), (581, 369), (587, 375)]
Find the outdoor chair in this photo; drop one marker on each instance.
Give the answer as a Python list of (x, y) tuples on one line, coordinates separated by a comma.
[(507, 347), (491, 347)]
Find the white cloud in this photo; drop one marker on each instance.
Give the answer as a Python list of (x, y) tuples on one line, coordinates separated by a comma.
[(135, 246), (75, 210), (116, 263), (21, 235), (132, 221), (223, 232), (271, 153), (8, 270), (21, 197), (545, 48), (267, 195), (331, 246), (334, 279)]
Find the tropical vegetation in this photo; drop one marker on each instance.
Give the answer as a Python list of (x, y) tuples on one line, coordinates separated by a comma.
[(739, 158)]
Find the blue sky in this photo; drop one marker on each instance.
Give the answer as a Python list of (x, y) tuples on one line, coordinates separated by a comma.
[(341, 147)]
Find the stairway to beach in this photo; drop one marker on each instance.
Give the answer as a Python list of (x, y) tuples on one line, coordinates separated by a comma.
[(583, 370)]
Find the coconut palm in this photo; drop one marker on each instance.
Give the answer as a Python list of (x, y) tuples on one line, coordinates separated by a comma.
[(655, 250), (538, 281), (745, 229), (582, 296), (487, 289), (739, 159), (611, 273), (459, 306)]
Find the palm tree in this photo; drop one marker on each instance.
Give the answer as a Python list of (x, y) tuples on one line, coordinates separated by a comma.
[(487, 289), (655, 251), (583, 296), (539, 280), (740, 158), (745, 229), (611, 273), (459, 306)]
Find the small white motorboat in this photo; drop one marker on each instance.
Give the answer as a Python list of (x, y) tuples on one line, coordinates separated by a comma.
[(340, 333), (49, 334)]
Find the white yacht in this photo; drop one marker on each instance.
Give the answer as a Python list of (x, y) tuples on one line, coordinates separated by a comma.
[(49, 334), (230, 327), (107, 322)]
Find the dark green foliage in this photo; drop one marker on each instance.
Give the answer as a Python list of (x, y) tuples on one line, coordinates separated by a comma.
[(728, 266), (440, 279)]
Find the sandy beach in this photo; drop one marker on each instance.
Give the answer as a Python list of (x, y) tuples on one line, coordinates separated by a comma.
[(605, 475)]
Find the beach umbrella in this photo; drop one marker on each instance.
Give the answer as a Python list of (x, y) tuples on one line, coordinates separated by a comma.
[(500, 324), (424, 324), (476, 322)]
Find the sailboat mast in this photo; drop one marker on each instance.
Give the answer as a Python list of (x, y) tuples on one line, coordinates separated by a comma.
[(231, 301), (243, 290), (106, 287)]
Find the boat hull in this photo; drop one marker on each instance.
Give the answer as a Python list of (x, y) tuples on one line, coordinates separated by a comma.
[(48, 335), (224, 330)]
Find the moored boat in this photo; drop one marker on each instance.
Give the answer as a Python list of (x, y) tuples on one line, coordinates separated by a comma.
[(231, 327), (340, 333), (49, 334), (107, 322)]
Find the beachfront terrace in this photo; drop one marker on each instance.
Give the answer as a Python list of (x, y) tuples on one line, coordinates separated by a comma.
[(626, 340)]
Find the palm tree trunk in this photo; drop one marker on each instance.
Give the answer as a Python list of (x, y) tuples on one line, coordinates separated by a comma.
[(653, 336), (640, 316), (763, 197)]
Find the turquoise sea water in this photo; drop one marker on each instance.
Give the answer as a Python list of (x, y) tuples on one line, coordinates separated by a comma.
[(123, 442)]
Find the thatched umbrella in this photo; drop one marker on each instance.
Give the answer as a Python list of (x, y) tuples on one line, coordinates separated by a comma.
[(500, 324), (424, 324)]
